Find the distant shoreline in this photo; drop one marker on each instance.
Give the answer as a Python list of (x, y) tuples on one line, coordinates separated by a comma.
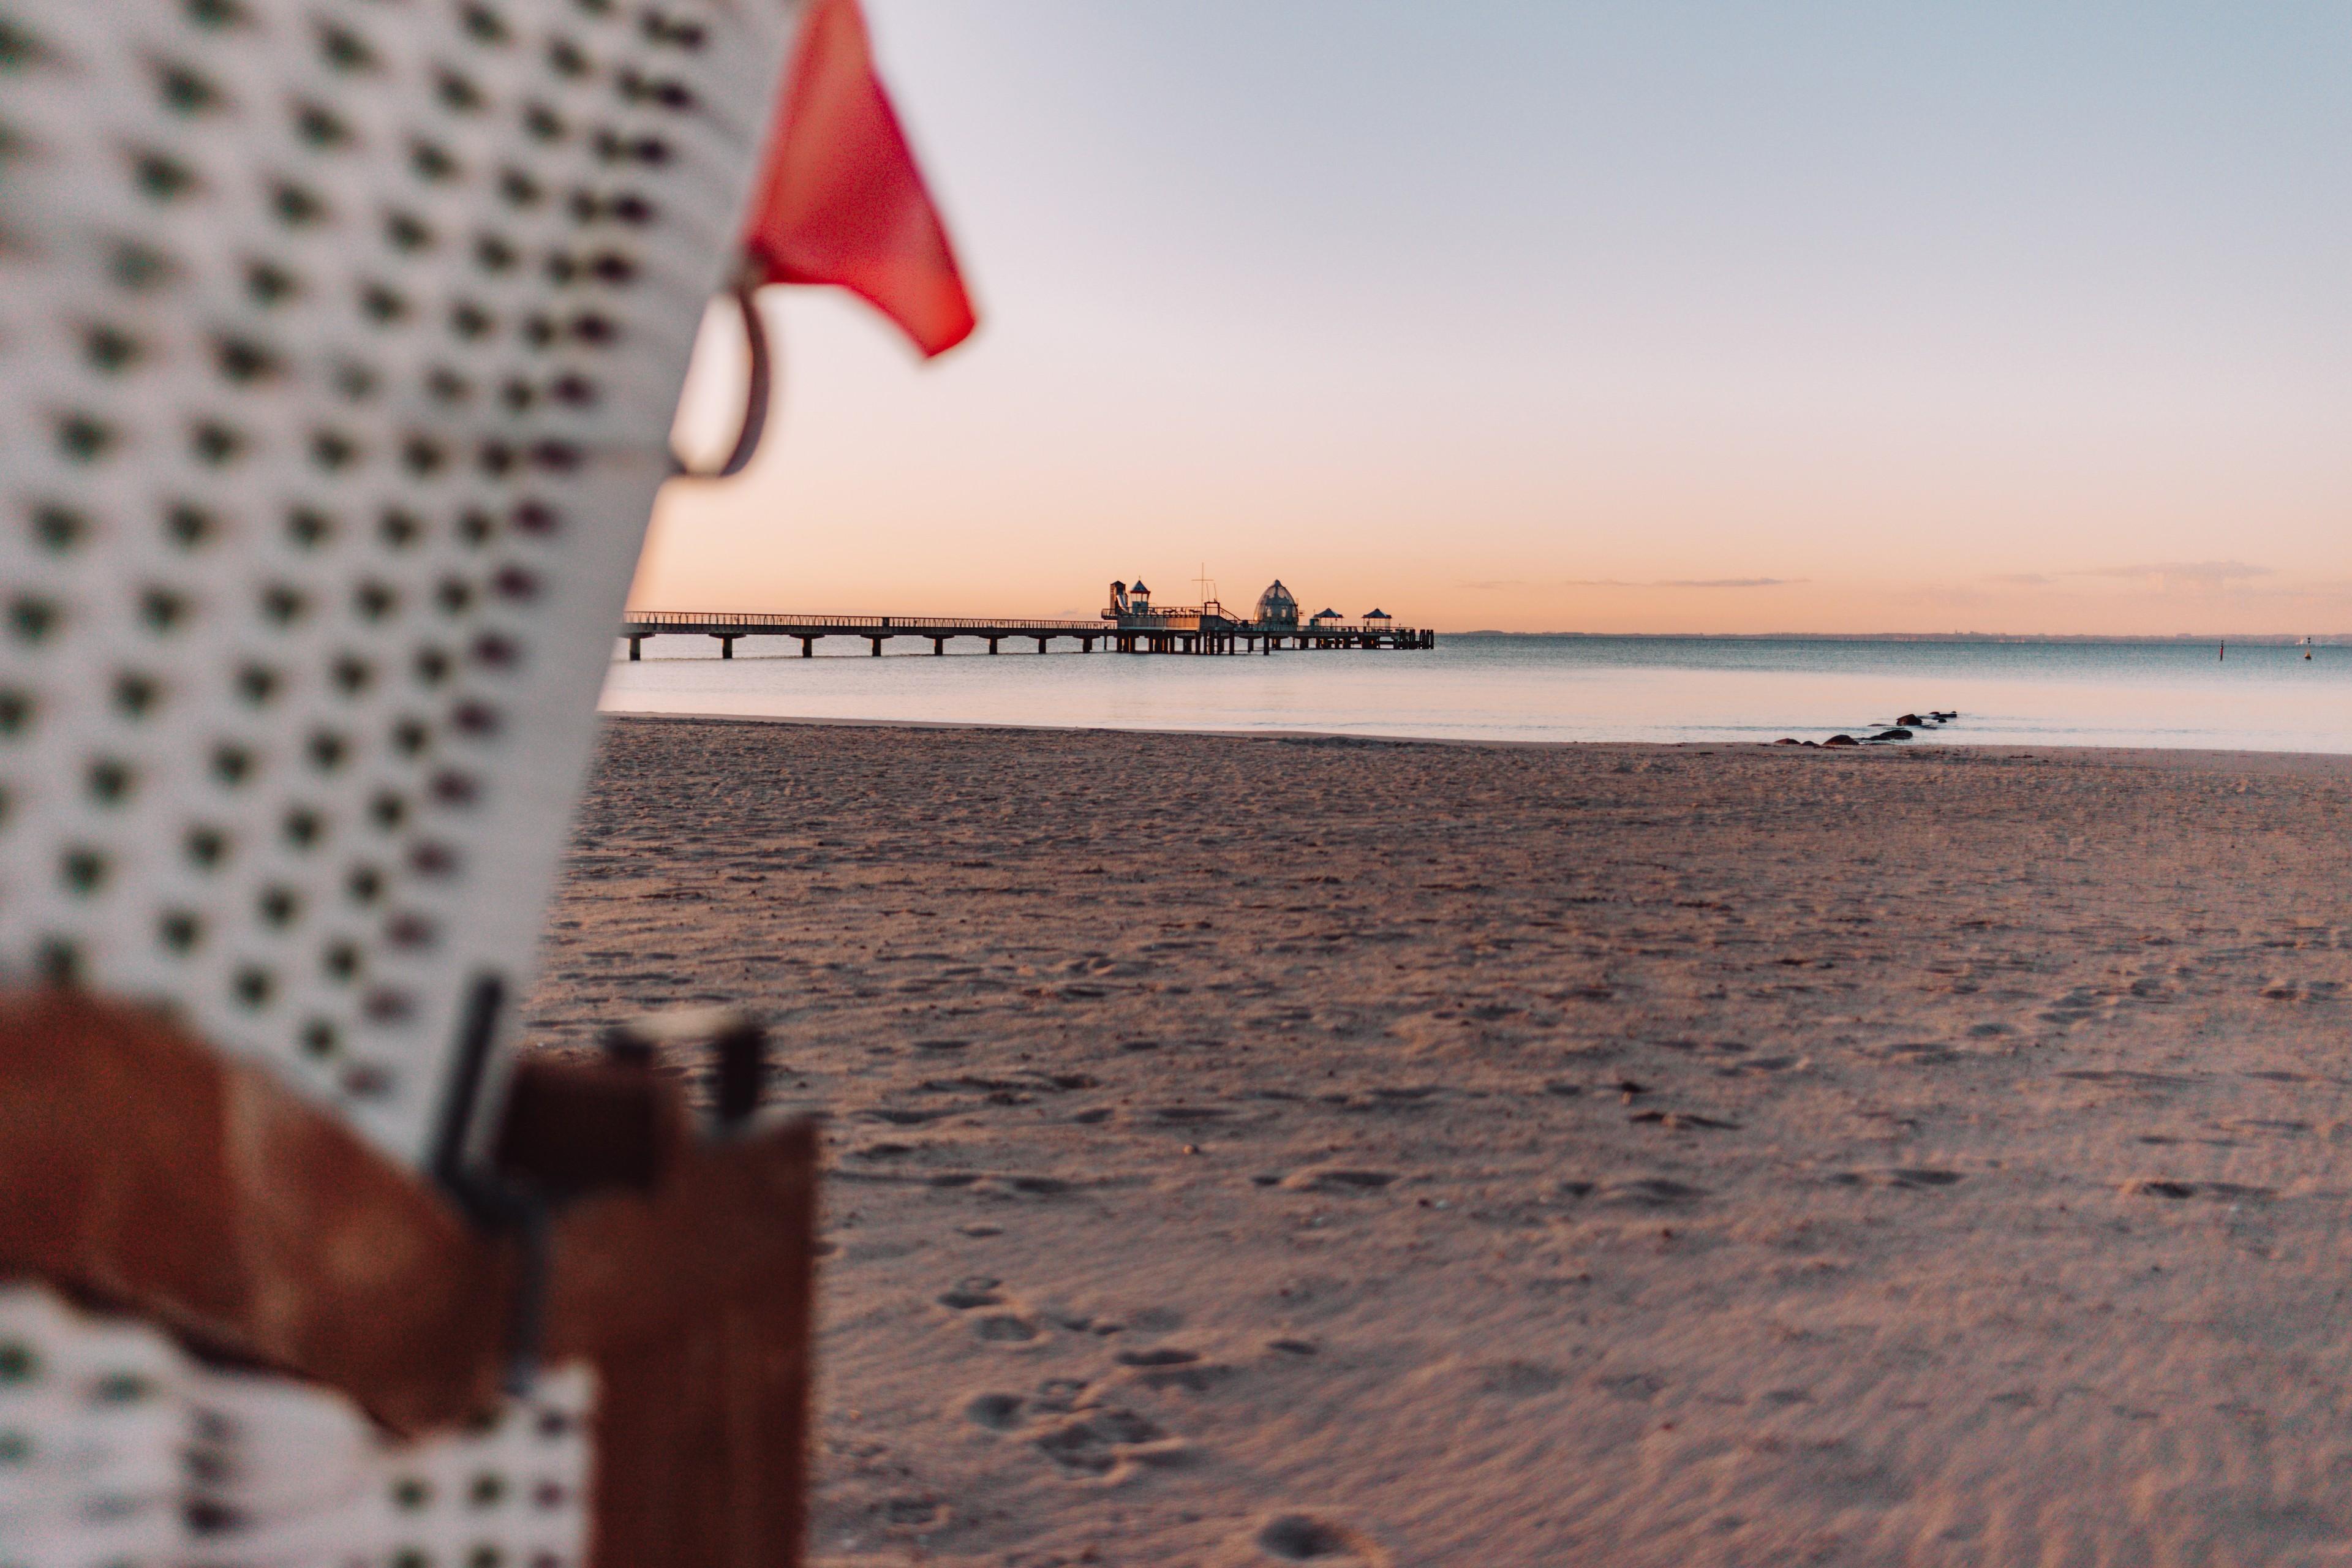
[(2179, 639)]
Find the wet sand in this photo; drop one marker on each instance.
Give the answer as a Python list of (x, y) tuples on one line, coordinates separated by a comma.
[(1250, 1151)]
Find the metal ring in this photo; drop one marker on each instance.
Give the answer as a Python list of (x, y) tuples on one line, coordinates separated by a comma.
[(755, 395)]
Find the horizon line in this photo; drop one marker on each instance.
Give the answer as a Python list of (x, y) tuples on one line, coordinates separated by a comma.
[(2268, 639)]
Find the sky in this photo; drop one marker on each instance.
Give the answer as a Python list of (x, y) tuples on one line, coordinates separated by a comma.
[(1649, 316)]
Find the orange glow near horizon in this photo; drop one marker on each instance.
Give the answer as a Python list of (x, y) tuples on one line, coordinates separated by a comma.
[(1995, 345)]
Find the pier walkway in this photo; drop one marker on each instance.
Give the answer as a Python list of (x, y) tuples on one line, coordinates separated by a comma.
[(727, 628)]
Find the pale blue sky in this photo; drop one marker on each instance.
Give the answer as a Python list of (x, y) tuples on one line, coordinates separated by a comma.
[(1534, 315)]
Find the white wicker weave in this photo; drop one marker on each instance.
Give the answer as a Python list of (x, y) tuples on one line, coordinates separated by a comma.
[(95, 1430), (118, 1452), (338, 340)]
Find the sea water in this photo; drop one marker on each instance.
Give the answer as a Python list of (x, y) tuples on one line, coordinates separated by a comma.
[(1507, 687)]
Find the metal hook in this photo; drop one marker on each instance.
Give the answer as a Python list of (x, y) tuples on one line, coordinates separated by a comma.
[(755, 395)]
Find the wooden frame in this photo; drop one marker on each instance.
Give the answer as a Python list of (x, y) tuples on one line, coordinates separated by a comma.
[(142, 1170)]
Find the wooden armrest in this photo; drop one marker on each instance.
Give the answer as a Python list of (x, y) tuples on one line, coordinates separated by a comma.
[(142, 1170)]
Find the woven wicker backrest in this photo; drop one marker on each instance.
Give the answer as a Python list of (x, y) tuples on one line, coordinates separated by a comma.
[(120, 1450), (338, 340)]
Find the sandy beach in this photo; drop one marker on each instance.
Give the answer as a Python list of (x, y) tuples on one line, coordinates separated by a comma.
[(1247, 1152)]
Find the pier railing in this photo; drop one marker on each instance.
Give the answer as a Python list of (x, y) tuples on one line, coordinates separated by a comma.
[(698, 620), (729, 627)]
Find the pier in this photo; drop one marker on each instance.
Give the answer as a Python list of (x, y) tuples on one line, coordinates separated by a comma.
[(730, 628), (1132, 625)]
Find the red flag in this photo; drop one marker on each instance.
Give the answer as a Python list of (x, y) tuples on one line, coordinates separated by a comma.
[(840, 200)]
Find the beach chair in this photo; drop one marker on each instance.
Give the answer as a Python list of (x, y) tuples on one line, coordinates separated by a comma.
[(339, 343)]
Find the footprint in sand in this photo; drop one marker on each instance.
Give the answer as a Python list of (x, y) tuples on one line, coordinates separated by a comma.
[(1337, 1179), (1108, 1439), (1520, 1379), (1636, 1387), (1652, 1192), (972, 1291), (1168, 1367), (2072, 1008), (1762, 1064), (997, 1412), (1060, 1395), (1305, 1538), (2232, 1193), (1912, 1176), (2217, 1192), (1005, 1328), (2127, 1076), (1183, 1114), (901, 1116), (1917, 1054), (1008, 1186), (1683, 1121)]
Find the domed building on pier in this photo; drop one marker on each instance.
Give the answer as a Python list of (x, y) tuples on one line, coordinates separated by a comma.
[(1276, 607)]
